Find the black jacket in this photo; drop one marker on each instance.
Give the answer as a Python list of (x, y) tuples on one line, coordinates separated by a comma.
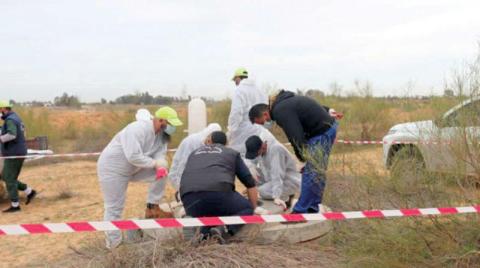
[(301, 118), (212, 168)]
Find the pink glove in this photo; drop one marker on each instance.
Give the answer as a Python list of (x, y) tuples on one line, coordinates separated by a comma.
[(161, 173)]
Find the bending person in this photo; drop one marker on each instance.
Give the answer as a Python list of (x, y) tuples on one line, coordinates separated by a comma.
[(278, 169), (136, 153), (311, 129)]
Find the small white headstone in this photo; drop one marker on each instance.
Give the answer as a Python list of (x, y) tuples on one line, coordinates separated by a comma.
[(197, 115)]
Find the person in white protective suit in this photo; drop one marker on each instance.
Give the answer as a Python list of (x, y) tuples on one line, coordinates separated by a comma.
[(266, 136), (143, 115), (186, 147), (244, 97), (280, 177), (136, 153)]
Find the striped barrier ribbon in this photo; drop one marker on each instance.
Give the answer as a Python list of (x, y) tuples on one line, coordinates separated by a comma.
[(353, 142), (124, 225)]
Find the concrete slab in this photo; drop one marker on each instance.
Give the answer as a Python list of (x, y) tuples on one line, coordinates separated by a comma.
[(289, 233), (257, 233)]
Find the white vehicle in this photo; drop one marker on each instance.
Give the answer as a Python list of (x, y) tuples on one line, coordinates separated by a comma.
[(447, 144)]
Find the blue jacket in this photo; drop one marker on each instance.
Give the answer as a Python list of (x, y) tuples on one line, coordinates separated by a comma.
[(18, 146)]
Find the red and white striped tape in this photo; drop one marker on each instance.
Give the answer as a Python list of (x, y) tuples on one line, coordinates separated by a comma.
[(354, 142), (124, 225), (424, 142), (59, 155)]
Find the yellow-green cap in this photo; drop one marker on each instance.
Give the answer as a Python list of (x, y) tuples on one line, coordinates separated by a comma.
[(240, 72), (168, 114), (5, 104)]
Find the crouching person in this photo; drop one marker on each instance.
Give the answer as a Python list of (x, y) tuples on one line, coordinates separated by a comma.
[(279, 171), (207, 186)]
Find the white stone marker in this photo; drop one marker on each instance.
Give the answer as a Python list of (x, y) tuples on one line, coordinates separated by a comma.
[(197, 115)]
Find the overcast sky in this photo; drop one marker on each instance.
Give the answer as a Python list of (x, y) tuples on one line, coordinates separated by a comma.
[(98, 49)]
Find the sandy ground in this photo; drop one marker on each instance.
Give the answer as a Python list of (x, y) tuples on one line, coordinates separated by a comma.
[(79, 180), (52, 181)]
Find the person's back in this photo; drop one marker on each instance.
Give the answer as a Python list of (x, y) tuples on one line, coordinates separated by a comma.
[(16, 146), (207, 187), (210, 168), (278, 157), (120, 155), (313, 117), (186, 147), (265, 134), (301, 118)]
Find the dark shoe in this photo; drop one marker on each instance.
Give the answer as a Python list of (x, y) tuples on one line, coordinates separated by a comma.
[(31, 196), (217, 235), (12, 209), (289, 201)]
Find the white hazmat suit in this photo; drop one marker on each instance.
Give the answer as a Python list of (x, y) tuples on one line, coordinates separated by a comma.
[(239, 126), (266, 136), (130, 156), (279, 173), (186, 147), (143, 115)]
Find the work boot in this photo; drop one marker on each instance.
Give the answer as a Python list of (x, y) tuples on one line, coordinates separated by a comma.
[(217, 235), (154, 211), (31, 196), (12, 209)]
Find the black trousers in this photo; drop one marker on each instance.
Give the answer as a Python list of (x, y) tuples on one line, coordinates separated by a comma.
[(211, 204)]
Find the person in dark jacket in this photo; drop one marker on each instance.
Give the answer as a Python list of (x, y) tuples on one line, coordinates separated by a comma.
[(12, 143), (311, 129), (207, 185)]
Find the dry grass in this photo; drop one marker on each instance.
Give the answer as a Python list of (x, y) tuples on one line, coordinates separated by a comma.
[(357, 181), (177, 253)]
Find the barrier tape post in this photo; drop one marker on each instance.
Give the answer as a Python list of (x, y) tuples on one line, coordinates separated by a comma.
[(124, 225)]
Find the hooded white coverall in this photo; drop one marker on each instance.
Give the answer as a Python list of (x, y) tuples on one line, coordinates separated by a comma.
[(265, 135), (239, 126), (279, 173), (130, 156), (186, 147), (143, 114)]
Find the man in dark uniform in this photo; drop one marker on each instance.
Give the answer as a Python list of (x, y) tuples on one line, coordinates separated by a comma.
[(12, 143), (207, 186)]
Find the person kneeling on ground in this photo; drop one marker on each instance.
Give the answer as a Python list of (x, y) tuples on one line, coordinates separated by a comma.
[(207, 186), (278, 169)]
